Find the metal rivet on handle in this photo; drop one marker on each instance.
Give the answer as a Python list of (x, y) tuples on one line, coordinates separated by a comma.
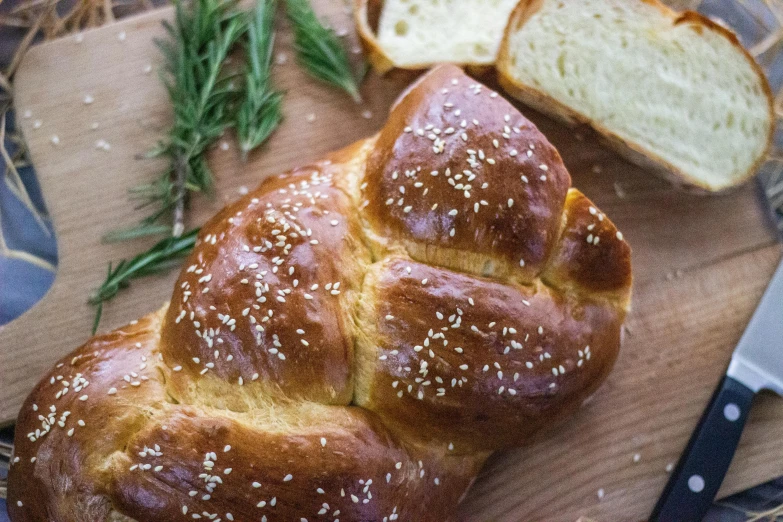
[(696, 483), (731, 411)]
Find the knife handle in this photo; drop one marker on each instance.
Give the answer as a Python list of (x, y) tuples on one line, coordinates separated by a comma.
[(695, 481)]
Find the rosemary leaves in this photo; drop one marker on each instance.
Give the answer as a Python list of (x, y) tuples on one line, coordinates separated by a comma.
[(206, 102), (260, 111), (209, 95), (162, 256), (202, 92), (319, 50)]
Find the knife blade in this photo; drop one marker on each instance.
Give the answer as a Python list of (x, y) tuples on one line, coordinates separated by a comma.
[(756, 364)]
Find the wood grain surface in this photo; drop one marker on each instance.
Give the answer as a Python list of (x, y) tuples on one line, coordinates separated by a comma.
[(700, 264)]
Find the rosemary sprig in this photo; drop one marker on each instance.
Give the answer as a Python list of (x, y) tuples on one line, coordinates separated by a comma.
[(319, 49), (260, 111), (206, 103), (162, 256), (202, 95)]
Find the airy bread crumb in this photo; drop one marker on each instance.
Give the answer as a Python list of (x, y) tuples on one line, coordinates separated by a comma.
[(674, 91)]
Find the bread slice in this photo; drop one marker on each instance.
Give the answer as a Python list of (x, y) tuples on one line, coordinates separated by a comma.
[(673, 91), (415, 34)]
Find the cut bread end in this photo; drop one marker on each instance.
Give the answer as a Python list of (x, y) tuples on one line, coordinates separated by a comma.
[(673, 92), (416, 34)]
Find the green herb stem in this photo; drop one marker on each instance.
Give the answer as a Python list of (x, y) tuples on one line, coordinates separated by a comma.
[(202, 94), (162, 256), (319, 50), (260, 112)]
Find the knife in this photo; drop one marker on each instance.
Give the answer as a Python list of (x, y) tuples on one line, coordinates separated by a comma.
[(757, 364)]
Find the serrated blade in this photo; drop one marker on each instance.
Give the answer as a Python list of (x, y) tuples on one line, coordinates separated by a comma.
[(757, 361)]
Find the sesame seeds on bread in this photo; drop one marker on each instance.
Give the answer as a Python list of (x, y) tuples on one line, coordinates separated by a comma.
[(330, 354)]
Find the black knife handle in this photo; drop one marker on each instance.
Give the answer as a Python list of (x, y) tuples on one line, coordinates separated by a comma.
[(695, 481)]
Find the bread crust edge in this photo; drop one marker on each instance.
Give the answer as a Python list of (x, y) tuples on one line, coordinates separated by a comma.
[(631, 151)]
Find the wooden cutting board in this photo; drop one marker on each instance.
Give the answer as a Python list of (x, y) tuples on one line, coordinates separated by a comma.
[(701, 264)]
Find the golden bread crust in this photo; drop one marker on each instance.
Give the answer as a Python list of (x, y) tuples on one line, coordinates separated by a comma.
[(463, 180), (541, 354), (267, 387)]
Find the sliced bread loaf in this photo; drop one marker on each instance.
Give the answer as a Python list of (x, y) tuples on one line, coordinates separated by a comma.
[(415, 34), (673, 91)]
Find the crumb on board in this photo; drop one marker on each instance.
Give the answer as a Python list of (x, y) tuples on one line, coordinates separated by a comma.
[(618, 189)]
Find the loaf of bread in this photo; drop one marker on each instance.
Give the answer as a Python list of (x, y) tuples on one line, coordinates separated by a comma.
[(349, 341), (415, 34), (671, 91)]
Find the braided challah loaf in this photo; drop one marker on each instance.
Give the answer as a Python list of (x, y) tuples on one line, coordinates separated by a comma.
[(349, 341)]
